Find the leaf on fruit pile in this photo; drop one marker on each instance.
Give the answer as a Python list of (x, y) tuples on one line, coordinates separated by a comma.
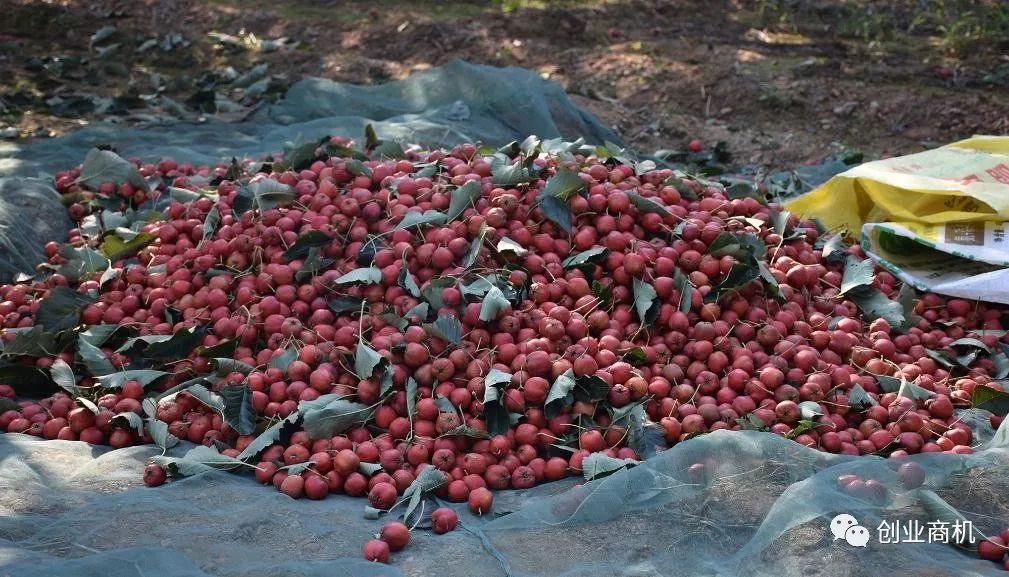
[(63, 376), (563, 185), (102, 166), (463, 198), (590, 388), (475, 247), (859, 399), (238, 411), (857, 273), (98, 335), (558, 397), (635, 356), (494, 412), (268, 193), (646, 302), (556, 210), (686, 290), (335, 418), (585, 257), (144, 377), (31, 382), (284, 360), (466, 431), (810, 410), (80, 263), (446, 328), (599, 465), (61, 309), (366, 275), (647, 205), (913, 391), (875, 305), (407, 282), (411, 400), (305, 242), (160, 435), (433, 290), (33, 342), (991, 400), (198, 460), (426, 218), (741, 246), (428, 480), (508, 245), (770, 283), (833, 249), (224, 365), (366, 360), (163, 347), (224, 348), (279, 432), (368, 469), (128, 420), (117, 248), (508, 175), (493, 304), (342, 305), (358, 168)]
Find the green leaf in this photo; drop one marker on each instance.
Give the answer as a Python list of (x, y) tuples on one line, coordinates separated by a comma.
[(207, 397), (494, 411), (366, 360), (61, 310), (161, 347), (432, 292), (647, 205), (555, 209), (34, 342), (493, 304), (238, 411), (475, 247), (63, 376), (592, 255), (224, 365), (810, 410), (210, 223), (646, 302), (686, 290), (741, 246), (859, 399), (284, 360), (635, 356), (98, 335), (144, 377), (279, 432), (874, 304), (198, 460), (31, 382), (428, 480), (305, 242), (389, 149), (462, 198), (857, 273), (508, 245), (358, 168), (590, 388), (913, 391), (833, 249), (411, 400), (160, 435), (342, 305), (128, 420), (426, 218), (562, 185), (335, 418), (770, 283), (990, 399), (371, 139), (366, 275), (406, 281), (466, 431), (106, 166), (81, 263), (508, 175), (563, 385), (446, 328), (116, 248), (599, 465), (268, 193)]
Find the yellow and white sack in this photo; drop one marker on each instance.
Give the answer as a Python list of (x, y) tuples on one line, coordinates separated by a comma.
[(936, 219)]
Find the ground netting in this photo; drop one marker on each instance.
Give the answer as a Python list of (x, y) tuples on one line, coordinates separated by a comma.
[(727, 503)]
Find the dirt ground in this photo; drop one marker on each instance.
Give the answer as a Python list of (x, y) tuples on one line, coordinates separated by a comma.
[(782, 82)]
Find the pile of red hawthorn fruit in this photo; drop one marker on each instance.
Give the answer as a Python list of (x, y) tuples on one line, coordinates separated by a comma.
[(497, 317)]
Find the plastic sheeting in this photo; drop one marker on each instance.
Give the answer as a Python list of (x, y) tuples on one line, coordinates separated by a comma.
[(761, 505)]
